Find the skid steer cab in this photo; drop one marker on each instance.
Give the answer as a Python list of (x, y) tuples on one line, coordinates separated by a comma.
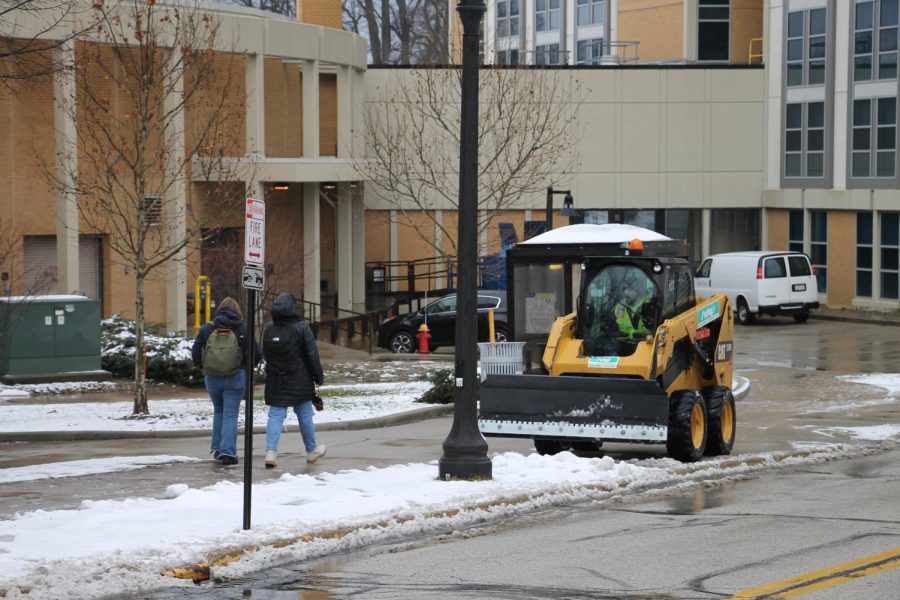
[(639, 361)]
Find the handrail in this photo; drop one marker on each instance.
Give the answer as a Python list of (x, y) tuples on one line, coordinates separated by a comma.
[(750, 54)]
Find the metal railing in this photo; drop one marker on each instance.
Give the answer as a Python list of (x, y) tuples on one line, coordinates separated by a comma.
[(751, 54)]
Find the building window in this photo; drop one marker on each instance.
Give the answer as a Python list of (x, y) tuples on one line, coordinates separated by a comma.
[(876, 35), (546, 15), (878, 159), (804, 140), (547, 54), (806, 47), (818, 247), (508, 57), (589, 12), (153, 210), (507, 18), (713, 29), (890, 253), (795, 231), (862, 50), (588, 52), (887, 39), (864, 255)]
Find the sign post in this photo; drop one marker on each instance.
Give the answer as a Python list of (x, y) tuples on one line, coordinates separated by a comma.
[(253, 279)]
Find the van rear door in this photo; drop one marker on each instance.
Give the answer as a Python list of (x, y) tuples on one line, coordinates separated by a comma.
[(803, 282), (775, 288)]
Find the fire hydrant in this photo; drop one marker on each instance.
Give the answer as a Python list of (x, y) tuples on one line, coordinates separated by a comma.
[(424, 337)]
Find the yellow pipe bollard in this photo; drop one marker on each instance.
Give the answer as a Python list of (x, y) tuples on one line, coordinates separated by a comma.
[(491, 326), (206, 307)]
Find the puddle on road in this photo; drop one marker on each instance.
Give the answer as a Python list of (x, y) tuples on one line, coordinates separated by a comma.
[(700, 499)]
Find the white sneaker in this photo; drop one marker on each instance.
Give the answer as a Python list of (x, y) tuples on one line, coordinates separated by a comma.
[(270, 459), (316, 454)]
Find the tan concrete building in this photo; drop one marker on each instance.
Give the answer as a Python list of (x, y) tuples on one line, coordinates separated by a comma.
[(299, 87), (705, 150)]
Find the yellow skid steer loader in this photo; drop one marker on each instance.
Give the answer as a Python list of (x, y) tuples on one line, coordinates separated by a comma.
[(641, 359)]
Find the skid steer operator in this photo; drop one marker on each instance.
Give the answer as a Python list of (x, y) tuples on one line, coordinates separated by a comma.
[(628, 311)]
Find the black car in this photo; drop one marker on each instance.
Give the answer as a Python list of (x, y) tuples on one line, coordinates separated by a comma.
[(399, 334)]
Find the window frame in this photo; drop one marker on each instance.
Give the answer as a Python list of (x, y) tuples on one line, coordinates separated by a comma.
[(805, 130), (863, 271), (883, 229), (543, 17), (508, 22), (705, 5), (807, 40), (592, 45), (819, 247)]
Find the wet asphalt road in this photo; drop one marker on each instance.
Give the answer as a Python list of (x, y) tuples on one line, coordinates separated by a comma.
[(706, 541)]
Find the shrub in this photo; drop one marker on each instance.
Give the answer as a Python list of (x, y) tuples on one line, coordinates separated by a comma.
[(442, 390), (168, 355)]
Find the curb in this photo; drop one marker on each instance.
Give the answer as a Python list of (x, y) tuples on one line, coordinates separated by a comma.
[(410, 416), (874, 320)]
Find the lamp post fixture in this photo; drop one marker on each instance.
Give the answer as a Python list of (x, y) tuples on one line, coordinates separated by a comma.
[(567, 210), (465, 450)]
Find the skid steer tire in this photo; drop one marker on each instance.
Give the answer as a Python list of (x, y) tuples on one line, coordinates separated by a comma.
[(550, 447), (687, 426), (722, 421)]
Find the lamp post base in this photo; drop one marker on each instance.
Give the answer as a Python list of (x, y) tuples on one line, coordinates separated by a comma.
[(456, 465)]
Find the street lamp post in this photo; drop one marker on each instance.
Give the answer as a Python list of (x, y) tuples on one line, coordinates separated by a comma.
[(567, 210), (465, 450)]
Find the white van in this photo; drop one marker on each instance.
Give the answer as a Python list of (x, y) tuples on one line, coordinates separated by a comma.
[(761, 283)]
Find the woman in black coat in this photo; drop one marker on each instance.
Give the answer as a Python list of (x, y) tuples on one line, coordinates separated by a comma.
[(293, 370)]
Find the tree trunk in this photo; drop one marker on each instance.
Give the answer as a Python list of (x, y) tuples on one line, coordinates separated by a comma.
[(385, 31), (140, 373), (374, 36)]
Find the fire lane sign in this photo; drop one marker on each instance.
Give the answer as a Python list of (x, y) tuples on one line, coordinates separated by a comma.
[(255, 233)]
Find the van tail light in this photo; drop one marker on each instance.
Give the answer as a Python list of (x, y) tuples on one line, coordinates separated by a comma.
[(759, 272), (813, 268)]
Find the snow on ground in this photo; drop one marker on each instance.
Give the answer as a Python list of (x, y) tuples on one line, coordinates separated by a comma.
[(56, 388), (121, 546), (342, 403), (93, 466)]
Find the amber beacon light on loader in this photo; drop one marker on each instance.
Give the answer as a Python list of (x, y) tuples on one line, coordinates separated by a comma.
[(626, 352)]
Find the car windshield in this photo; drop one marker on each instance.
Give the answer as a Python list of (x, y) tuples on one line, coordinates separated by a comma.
[(619, 306)]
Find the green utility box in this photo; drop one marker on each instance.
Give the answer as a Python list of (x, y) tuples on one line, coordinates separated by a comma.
[(49, 338)]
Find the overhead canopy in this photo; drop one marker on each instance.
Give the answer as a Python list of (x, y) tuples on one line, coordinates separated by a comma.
[(586, 233)]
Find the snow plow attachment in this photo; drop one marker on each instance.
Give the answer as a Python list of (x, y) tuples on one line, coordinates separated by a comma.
[(590, 408)]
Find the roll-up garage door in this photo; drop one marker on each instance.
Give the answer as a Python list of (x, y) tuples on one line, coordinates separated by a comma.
[(41, 270)]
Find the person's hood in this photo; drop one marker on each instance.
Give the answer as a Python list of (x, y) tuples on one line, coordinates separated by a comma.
[(284, 307), (227, 318)]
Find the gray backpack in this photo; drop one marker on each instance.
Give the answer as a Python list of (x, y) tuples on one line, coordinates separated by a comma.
[(222, 354)]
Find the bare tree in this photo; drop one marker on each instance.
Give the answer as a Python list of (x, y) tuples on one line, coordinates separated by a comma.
[(25, 40), (411, 159), (401, 31), (155, 108)]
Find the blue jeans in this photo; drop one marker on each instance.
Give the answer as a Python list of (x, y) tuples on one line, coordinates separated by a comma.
[(275, 424), (226, 393)]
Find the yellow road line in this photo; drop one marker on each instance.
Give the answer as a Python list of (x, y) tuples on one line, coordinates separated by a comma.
[(824, 578)]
